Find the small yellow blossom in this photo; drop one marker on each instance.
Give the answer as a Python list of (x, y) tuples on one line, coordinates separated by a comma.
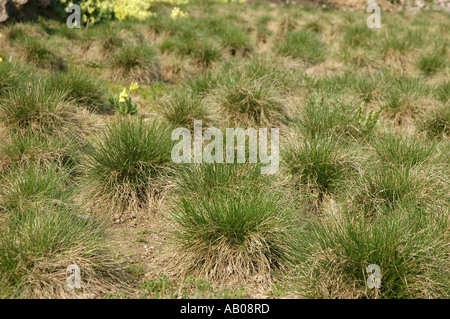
[(123, 95), (134, 86), (1, 60), (177, 13)]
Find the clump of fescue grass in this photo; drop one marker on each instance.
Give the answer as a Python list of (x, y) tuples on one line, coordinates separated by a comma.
[(316, 163), (33, 183), (408, 243), (398, 43), (179, 45), (321, 117), (206, 54), (203, 83), (255, 101), (431, 63), (252, 98), (442, 92), (377, 191), (205, 180), (11, 75), (43, 233), (136, 61), (235, 40), (356, 35), (305, 45), (38, 243), (436, 123), (263, 31), (403, 151), (181, 109), (37, 107), (202, 51), (110, 39), (28, 146), (287, 24), (124, 162), (367, 86), (15, 32), (37, 52), (402, 96), (81, 89), (239, 232)]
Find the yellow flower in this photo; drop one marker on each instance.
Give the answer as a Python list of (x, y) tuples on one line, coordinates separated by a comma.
[(134, 86), (1, 60), (123, 95), (177, 13)]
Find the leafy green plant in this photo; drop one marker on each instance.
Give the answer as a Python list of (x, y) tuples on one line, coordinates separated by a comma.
[(366, 123), (122, 103)]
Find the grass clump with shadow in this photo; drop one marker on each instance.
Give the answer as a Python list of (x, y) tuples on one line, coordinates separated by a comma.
[(43, 233), (305, 45), (135, 61), (316, 163), (81, 89), (228, 226), (341, 245), (124, 162), (37, 107)]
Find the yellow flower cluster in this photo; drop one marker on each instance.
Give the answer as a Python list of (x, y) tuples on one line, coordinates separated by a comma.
[(177, 13), (137, 9), (122, 9), (124, 94), (228, 1), (176, 2), (94, 10)]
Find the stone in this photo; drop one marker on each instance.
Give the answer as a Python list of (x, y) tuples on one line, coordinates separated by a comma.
[(21, 9)]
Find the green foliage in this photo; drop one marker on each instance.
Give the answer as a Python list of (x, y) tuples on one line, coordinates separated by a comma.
[(35, 106), (138, 62), (125, 159), (181, 109), (431, 63), (36, 51), (81, 89), (303, 44), (316, 163), (327, 118), (403, 151), (240, 231), (436, 123), (409, 268)]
